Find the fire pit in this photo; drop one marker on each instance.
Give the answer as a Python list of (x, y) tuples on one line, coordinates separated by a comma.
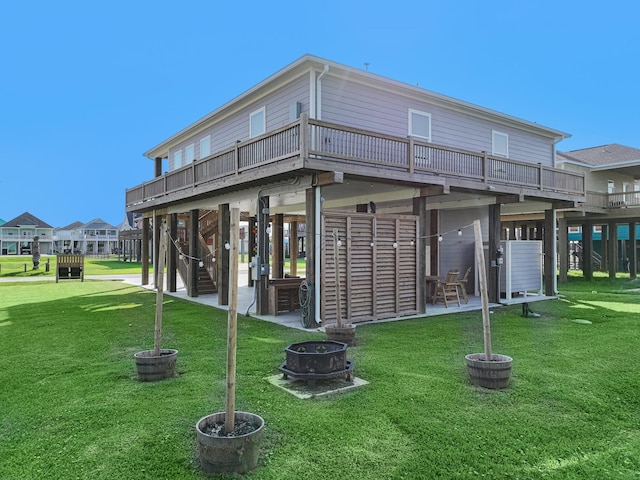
[(316, 360)]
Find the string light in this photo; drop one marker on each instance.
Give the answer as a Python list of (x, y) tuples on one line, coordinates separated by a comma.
[(227, 245), (439, 238), (395, 244), (459, 232)]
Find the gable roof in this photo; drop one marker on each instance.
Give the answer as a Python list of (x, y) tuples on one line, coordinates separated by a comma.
[(72, 226), (308, 63), (27, 219), (98, 224), (604, 155)]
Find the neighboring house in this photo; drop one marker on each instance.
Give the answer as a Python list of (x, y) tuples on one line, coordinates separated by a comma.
[(389, 175), (130, 237), (16, 235), (604, 228), (94, 238)]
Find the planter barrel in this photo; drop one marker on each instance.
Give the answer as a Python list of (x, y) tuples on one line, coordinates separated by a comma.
[(345, 334), (151, 367), (237, 454), (494, 374)]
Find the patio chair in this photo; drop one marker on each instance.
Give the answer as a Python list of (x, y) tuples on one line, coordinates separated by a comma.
[(462, 285), (447, 290)]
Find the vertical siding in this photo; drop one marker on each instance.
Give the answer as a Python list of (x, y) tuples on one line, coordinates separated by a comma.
[(523, 267), (369, 108)]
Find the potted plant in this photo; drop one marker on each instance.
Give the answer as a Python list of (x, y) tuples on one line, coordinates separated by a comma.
[(488, 370), (230, 441), (339, 331), (157, 364)]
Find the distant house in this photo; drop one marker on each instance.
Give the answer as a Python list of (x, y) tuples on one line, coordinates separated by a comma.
[(16, 235), (605, 227), (389, 175), (96, 237)]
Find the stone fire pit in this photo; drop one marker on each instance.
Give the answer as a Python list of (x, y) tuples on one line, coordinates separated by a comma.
[(316, 360)]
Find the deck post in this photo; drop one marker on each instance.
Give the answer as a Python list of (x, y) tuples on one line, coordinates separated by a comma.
[(192, 280), (563, 250), (293, 248), (222, 254), (145, 251), (549, 252), (172, 253), (262, 285), (494, 243), (587, 250), (420, 209), (310, 239), (278, 246), (632, 251), (613, 249)]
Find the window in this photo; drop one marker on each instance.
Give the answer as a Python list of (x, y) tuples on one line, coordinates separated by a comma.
[(500, 144), (610, 186), (177, 159), (257, 123), (420, 124), (205, 146), (189, 153)]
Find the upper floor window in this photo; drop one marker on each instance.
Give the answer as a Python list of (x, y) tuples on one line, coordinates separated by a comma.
[(189, 154), (257, 123), (177, 159), (610, 186), (499, 144), (205, 146), (420, 124)]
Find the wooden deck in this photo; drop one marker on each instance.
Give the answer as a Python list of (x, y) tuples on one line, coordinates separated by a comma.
[(311, 144)]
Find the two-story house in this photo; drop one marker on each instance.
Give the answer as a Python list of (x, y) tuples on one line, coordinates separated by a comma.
[(603, 231), (389, 176), (96, 238), (16, 235)]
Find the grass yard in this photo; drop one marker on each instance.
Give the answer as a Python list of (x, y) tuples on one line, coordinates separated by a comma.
[(14, 266), (70, 406)]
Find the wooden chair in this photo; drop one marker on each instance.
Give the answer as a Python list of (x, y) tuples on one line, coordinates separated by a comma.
[(447, 290), (462, 285)]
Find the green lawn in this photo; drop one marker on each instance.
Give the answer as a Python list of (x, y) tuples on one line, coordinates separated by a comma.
[(14, 266), (70, 406)]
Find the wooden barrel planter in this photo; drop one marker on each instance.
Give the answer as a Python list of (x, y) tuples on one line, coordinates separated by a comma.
[(151, 367), (494, 374), (229, 454), (345, 334)]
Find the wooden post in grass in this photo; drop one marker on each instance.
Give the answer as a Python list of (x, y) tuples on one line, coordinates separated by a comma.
[(160, 287), (482, 276), (336, 260), (232, 321)]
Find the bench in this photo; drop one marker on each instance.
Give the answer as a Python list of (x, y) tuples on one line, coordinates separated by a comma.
[(69, 266), (283, 295)]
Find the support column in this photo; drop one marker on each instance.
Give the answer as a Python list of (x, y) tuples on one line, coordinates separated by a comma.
[(563, 249), (222, 258), (434, 231), (157, 224), (293, 248), (550, 253), (604, 247), (613, 250), (633, 255), (145, 251), (172, 254), (277, 232), (420, 209), (253, 247), (262, 286), (192, 282), (587, 250), (312, 277), (494, 243)]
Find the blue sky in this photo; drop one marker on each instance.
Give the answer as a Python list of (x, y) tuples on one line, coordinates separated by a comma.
[(87, 87)]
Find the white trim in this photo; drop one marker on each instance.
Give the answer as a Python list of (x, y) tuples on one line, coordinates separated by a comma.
[(496, 134), (413, 112), (262, 111)]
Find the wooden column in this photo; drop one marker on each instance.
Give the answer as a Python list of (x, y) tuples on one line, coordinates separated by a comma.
[(157, 224), (420, 209), (262, 286), (172, 254), (512, 230), (253, 248), (612, 250), (494, 243), (549, 250), (222, 257), (632, 251), (145, 251), (587, 250), (434, 231), (563, 249), (293, 248), (192, 280), (310, 240), (277, 232), (604, 247)]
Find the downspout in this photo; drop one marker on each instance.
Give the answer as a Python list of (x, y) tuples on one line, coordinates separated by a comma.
[(318, 205)]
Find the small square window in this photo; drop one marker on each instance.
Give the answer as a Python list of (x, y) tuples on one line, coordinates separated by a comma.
[(420, 124), (205, 146), (257, 123), (500, 144)]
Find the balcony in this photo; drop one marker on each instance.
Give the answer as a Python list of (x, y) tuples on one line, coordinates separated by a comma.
[(318, 145)]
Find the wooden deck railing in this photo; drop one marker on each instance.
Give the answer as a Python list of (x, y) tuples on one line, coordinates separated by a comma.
[(308, 138)]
